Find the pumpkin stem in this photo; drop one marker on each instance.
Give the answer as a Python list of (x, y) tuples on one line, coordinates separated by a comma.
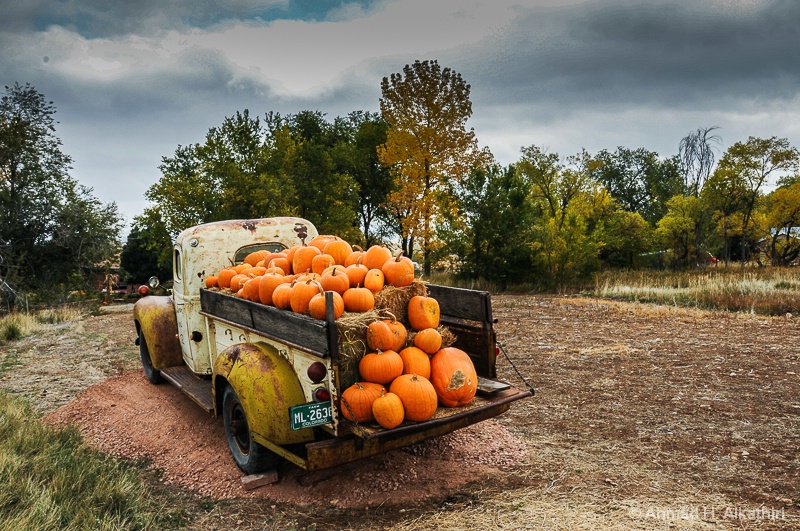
[(400, 254)]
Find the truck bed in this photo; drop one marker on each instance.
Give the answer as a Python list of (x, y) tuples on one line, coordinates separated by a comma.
[(465, 312)]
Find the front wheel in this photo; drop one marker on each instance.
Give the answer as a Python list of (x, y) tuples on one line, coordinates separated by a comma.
[(250, 456), (150, 372)]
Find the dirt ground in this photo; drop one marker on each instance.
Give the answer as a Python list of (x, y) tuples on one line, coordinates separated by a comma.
[(645, 417)]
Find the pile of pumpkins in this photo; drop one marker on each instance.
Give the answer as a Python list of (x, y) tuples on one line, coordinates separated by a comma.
[(419, 377), (296, 279)]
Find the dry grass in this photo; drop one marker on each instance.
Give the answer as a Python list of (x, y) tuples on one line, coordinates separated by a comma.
[(764, 291), (17, 325)]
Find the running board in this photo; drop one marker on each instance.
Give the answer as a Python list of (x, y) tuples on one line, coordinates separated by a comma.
[(196, 388)]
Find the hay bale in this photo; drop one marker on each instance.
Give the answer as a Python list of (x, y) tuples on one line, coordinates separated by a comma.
[(395, 300), (352, 331)]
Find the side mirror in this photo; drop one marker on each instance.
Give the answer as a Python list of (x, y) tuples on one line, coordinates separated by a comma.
[(153, 282)]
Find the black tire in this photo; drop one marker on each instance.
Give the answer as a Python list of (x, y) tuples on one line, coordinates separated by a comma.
[(151, 373), (250, 456)]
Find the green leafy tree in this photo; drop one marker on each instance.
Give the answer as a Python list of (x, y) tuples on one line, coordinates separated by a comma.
[(487, 238), (751, 164), (724, 195), (326, 193), (358, 158), (53, 232), (143, 256), (638, 180), (783, 218), (571, 211), (627, 235), (428, 145), (679, 228)]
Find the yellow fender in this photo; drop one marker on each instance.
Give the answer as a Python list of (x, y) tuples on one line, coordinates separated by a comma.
[(267, 387), (155, 319)]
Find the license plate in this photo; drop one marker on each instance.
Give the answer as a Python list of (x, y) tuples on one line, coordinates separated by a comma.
[(313, 414)]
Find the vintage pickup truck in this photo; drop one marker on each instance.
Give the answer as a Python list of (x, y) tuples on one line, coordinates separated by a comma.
[(276, 377)]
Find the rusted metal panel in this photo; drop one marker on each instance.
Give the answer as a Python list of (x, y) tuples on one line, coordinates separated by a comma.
[(155, 316), (267, 387)]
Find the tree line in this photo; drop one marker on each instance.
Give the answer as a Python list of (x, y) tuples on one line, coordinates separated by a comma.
[(412, 176)]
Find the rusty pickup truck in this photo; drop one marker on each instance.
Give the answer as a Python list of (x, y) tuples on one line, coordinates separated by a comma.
[(275, 376)]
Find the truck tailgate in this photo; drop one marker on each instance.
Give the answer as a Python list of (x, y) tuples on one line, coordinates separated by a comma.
[(368, 440)]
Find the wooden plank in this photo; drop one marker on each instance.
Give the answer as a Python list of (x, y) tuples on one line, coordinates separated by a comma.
[(281, 325), (463, 303), (253, 481)]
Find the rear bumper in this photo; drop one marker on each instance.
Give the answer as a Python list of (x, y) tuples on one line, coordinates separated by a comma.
[(371, 440)]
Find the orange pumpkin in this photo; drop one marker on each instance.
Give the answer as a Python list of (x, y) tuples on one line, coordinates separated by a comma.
[(399, 333), (279, 260), (379, 336), (388, 410), (339, 250), (303, 257), (321, 241), (224, 277), (290, 257), (321, 262), (302, 292), (282, 296), (423, 312), (356, 273), (335, 279), (416, 361), (251, 288), (453, 377), (373, 280), (358, 300), (267, 286), (418, 396), (317, 309), (381, 367), (211, 281), (398, 271), (353, 257), (357, 401), (255, 257), (237, 282), (376, 256), (428, 340), (241, 268)]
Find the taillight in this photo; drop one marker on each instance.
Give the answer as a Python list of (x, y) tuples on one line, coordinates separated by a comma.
[(322, 395), (317, 372)]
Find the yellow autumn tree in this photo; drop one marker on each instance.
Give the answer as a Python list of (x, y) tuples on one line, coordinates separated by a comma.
[(428, 148)]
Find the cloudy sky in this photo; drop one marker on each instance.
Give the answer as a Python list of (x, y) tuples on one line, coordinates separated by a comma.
[(133, 79)]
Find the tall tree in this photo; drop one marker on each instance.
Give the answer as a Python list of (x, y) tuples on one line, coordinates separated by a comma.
[(571, 209), (680, 227), (359, 158), (783, 218), (52, 230), (696, 154), (639, 180), (487, 237), (428, 145), (753, 163)]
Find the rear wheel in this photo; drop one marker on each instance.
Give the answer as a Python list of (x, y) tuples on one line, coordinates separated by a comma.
[(250, 456), (150, 372)]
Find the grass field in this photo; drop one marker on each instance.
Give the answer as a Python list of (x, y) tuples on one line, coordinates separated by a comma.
[(763, 291)]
